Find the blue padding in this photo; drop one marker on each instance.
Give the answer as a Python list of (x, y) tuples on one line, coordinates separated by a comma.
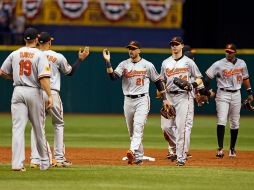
[(110, 36)]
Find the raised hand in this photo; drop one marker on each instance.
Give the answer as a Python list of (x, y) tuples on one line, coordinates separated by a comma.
[(82, 54), (106, 55)]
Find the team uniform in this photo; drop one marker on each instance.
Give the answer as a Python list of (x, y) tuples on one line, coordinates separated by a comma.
[(170, 133), (58, 64), (175, 129), (135, 85), (27, 65), (229, 77)]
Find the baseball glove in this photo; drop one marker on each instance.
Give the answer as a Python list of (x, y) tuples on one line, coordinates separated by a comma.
[(247, 105), (182, 84), (169, 113), (201, 99)]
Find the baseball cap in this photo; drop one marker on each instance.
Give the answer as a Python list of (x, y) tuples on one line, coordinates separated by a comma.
[(189, 54), (134, 45), (230, 48), (30, 34), (44, 37), (177, 40), (186, 48)]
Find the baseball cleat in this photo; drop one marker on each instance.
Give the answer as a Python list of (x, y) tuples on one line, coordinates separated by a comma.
[(32, 165), (232, 153), (172, 157), (65, 163), (189, 155), (220, 153), (180, 163), (138, 162), (19, 170), (130, 156)]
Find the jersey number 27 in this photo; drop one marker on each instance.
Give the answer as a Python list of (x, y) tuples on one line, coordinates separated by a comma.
[(25, 67)]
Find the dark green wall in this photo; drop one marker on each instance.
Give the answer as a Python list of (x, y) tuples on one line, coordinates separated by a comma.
[(91, 91)]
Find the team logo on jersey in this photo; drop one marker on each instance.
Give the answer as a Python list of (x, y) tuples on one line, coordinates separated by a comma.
[(228, 73), (155, 10), (114, 10), (133, 73), (31, 8), (72, 8), (171, 72)]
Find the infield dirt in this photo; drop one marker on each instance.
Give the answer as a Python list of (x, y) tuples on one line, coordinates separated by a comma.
[(98, 156)]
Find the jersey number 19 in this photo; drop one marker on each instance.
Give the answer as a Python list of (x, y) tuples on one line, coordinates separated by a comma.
[(25, 67)]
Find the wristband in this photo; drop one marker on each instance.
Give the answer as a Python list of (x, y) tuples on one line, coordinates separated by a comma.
[(108, 64), (249, 91), (163, 95), (194, 84)]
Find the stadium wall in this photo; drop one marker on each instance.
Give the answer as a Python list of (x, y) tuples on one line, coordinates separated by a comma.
[(91, 91)]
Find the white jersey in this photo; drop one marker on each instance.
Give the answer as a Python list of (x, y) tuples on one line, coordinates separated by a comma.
[(27, 65), (228, 75), (136, 76), (184, 68), (57, 63)]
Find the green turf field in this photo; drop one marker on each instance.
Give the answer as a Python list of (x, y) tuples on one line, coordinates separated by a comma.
[(110, 131)]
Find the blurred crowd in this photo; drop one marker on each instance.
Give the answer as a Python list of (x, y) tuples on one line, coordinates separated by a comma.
[(11, 26)]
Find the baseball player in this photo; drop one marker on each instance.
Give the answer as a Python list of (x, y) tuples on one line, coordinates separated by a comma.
[(58, 64), (179, 65), (136, 73), (230, 72), (30, 71), (170, 133)]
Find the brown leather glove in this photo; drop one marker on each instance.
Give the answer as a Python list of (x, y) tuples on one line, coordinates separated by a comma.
[(169, 113), (201, 99)]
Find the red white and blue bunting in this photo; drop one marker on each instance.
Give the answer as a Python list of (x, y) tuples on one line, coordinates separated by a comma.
[(72, 8), (31, 8), (114, 10), (154, 10), (8, 5)]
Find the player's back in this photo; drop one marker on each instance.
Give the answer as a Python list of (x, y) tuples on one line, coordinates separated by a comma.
[(58, 63), (26, 64)]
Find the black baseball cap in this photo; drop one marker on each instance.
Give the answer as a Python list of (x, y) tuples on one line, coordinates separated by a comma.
[(189, 54), (186, 48), (230, 48), (44, 37), (30, 34), (177, 40), (134, 45)]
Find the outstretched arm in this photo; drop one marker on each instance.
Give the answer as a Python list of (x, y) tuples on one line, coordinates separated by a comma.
[(204, 90), (110, 71), (82, 55)]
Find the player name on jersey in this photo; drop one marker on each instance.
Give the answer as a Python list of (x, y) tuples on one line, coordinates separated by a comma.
[(26, 54), (51, 58)]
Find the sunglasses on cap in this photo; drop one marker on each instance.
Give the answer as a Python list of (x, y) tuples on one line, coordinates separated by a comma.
[(229, 52), (174, 44), (132, 48)]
